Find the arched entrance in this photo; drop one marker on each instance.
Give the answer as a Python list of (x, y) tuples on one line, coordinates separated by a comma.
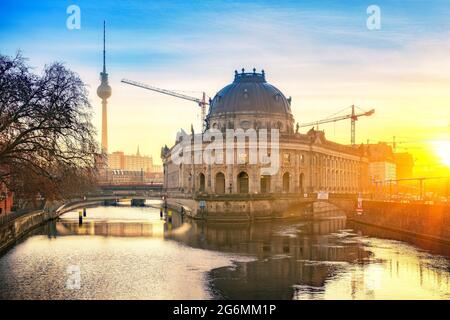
[(242, 182), (220, 183), (265, 184), (286, 178), (201, 178), (301, 182)]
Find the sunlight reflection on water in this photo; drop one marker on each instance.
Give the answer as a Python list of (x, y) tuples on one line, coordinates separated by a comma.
[(131, 253)]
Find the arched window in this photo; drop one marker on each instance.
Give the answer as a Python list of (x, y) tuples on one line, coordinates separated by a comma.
[(301, 182), (286, 179), (220, 183), (265, 184), (201, 178), (242, 182)]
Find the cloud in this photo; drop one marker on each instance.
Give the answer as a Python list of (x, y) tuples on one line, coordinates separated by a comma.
[(323, 56)]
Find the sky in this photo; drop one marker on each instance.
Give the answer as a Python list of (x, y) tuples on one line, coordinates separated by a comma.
[(319, 52)]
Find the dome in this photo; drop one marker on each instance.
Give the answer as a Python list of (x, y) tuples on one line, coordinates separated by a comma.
[(249, 93)]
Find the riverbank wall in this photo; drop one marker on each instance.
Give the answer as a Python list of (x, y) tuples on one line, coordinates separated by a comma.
[(14, 230), (430, 221), (242, 208)]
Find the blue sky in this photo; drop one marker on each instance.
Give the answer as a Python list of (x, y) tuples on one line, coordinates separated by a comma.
[(319, 52), (148, 33)]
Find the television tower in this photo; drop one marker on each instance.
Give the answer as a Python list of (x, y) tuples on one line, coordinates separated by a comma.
[(104, 92)]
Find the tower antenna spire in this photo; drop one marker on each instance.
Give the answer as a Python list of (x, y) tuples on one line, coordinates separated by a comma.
[(104, 46)]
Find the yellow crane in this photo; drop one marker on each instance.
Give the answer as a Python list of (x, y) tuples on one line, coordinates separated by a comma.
[(352, 116), (201, 102)]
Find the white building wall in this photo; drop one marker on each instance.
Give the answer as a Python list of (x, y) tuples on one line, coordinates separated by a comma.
[(382, 171)]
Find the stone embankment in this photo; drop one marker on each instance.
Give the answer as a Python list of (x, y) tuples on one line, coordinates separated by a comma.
[(14, 229), (431, 221)]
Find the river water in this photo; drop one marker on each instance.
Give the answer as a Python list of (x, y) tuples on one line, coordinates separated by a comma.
[(126, 252)]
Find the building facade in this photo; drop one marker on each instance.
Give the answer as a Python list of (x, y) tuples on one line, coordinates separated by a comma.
[(382, 172), (308, 162), (382, 164), (120, 161), (6, 200), (122, 177), (404, 163), (129, 169)]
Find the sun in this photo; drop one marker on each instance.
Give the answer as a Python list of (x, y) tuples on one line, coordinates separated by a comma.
[(442, 149)]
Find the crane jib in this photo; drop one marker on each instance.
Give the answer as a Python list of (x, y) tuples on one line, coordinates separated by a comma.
[(165, 91), (201, 102)]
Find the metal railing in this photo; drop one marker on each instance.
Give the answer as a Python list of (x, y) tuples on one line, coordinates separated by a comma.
[(7, 218), (412, 189)]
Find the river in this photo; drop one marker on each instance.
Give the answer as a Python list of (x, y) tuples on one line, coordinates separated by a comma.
[(126, 252)]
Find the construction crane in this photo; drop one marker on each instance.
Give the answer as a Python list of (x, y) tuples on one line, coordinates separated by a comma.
[(201, 102), (352, 116)]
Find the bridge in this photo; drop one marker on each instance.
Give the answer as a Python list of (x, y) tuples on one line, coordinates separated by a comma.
[(111, 194), (405, 215), (131, 188), (138, 193)]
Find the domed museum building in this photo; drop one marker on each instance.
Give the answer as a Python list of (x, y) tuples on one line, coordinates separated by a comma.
[(238, 188)]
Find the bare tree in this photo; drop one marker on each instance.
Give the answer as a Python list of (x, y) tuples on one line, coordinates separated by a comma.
[(47, 141)]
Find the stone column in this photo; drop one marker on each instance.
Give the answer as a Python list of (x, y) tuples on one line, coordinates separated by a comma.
[(229, 179), (208, 183), (255, 185)]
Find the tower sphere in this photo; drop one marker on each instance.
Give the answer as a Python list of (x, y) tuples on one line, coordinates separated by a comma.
[(104, 91)]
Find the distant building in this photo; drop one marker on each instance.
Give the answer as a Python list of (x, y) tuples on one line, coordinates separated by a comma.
[(157, 168), (382, 166), (116, 160), (382, 171), (132, 177), (120, 161), (405, 164), (129, 169), (155, 177)]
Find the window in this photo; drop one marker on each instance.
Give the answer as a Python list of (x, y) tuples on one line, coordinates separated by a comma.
[(242, 157), (202, 182), (245, 94), (287, 158), (265, 184), (246, 124), (286, 178), (242, 182), (300, 182), (220, 183)]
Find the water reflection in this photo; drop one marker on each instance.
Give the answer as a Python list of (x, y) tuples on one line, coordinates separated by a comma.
[(287, 253), (132, 253), (320, 260)]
